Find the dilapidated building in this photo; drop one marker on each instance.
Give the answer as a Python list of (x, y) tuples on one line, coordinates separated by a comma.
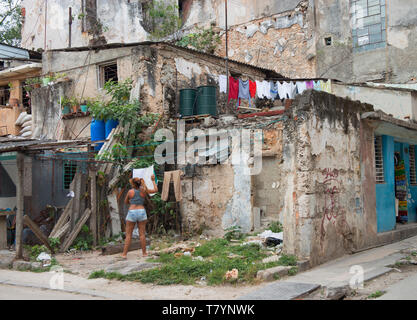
[(299, 39)]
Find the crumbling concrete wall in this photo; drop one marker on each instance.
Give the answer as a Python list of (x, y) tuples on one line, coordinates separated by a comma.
[(219, 196), (267, 185), (282, 42), (162, 71), (46, 110), (327, 174), (115, 24)]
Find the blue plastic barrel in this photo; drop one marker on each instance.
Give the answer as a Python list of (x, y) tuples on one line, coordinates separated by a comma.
[(98, 132), (110, 125)]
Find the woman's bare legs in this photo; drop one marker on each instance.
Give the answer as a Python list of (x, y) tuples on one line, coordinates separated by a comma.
[(129, 230), (142, 236)]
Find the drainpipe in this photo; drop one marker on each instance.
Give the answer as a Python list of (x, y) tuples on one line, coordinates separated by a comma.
[(69, 26)]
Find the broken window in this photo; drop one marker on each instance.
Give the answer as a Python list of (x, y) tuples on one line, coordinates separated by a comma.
[(413, 177), (70, 168), (368, 24), (328, 41), (108, 72), (379, 161), (4, 95)]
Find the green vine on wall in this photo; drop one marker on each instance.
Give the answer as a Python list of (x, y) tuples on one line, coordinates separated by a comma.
[(205, 40)]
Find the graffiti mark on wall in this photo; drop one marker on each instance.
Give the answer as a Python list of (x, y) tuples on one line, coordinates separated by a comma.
[(332, 212)]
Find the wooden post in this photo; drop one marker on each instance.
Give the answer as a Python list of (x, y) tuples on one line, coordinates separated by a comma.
[(20, 204), (93, 197)]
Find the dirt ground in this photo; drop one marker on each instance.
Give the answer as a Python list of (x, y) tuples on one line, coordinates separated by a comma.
[(81, 264)]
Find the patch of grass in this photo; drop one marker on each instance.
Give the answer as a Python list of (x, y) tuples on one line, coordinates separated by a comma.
[(293, 271), (219, 257), (414, 253), (287, 260), (275, 227), (376, 294)]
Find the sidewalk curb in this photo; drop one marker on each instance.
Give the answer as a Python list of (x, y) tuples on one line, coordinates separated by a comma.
[(93, 293)]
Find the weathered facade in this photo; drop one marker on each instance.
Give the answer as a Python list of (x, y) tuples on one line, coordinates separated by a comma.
[(300, 39)]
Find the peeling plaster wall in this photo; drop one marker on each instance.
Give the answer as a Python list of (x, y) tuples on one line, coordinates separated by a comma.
[(328, 169), (46, 110), (163, 71), (282, 42), (119, 19)]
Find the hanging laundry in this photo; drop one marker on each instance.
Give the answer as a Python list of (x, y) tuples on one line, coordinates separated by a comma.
[(233, 88), (146, 174), (223, 83), (274, 90), (252, 88), (317, 85), (282, 91), (266, 87), (290, 89), (301, 86), (310, 84), (175, 176), (325, 86), (259, 89), (244, 92)]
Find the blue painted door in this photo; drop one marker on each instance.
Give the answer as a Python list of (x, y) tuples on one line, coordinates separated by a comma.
[(385, 192)]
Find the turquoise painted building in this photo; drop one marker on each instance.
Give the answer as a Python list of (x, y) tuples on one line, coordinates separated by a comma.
[(394, 142)]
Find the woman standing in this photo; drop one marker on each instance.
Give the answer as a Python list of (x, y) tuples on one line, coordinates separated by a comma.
[(137, 213)]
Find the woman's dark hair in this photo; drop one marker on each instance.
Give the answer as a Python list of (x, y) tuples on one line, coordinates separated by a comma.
[(135, 182)]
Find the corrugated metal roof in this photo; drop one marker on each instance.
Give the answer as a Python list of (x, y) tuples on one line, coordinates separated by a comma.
[(9, 52), (8, 144), (270, 72)]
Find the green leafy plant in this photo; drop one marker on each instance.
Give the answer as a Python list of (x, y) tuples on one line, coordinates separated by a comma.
[(55, 244), (84, 240), (234, 233), (275, 227), (164, 18), (205, 40), (376, 294)]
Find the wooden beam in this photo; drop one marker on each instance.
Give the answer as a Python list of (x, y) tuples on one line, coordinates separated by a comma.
[(93, 199), (118, 248), (38, 232), (62, 219), (116, 227), (74, 233), (20, 204), (62, 231)]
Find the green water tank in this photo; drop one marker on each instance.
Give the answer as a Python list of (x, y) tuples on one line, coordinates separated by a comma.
[(187, 102), (206, 100)]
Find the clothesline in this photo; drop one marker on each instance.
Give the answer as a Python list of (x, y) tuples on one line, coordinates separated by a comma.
[(272, 90)]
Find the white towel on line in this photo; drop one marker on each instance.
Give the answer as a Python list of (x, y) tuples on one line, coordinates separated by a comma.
[(145, 174)]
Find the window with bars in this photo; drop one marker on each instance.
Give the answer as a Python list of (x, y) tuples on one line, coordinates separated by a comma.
[(379, 161), (368, 24), (413, 178), (70, 168), (108, 72)]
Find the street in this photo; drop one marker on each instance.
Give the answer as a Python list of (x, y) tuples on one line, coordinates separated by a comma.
[(10, 292)]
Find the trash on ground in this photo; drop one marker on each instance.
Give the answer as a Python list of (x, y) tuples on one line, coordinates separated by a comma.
[(45, 258), (233, 274), (272, 242), (270, 234)]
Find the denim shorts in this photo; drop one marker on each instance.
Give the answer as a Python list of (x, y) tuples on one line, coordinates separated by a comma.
[(137, 215)]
